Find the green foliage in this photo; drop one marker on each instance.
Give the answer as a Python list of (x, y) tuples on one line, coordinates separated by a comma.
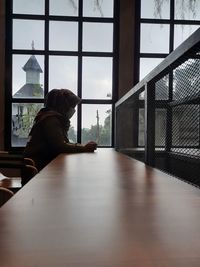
[(72, 135), (28, 113), (37, 90), (100, 134), (91, 134)]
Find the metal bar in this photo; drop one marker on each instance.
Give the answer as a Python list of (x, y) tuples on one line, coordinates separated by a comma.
[(168, 133), (150, 124)]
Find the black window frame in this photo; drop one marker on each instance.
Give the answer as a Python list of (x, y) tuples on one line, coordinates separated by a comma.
[(171, 22), (9, 100)]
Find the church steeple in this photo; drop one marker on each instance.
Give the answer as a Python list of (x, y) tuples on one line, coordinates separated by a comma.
[(32, 69)]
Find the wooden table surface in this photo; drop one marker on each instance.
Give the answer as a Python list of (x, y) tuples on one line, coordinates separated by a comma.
[(101, 209)]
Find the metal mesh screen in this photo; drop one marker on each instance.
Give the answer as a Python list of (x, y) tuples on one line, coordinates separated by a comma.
[(172, 104), (160, 127), (185, 127), (131, 129), (186, 82), (162, 88), (177, 121), (161, 96), (141, 127)]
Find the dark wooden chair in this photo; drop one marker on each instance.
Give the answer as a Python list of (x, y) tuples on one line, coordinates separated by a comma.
[(24, 167), (5, 195)]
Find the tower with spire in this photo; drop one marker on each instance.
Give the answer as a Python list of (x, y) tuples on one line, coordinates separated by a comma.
[(24, 113), (32, 87)]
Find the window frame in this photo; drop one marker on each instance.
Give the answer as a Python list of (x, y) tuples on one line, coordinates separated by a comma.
[(171, 22), (9, 100)]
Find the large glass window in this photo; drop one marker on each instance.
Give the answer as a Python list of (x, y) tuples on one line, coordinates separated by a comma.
[(61, 44), (164, 25), (150, 43), (97, 77)]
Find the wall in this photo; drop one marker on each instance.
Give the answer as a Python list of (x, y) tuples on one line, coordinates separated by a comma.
[(126, 46), (2, 65)]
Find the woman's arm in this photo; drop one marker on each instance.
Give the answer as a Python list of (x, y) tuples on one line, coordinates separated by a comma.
[(53, 131)]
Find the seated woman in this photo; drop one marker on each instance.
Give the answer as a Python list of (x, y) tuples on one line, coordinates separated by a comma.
[(48, 136)]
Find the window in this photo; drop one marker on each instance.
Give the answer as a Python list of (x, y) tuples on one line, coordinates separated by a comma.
[(164, 25), (61, 44)]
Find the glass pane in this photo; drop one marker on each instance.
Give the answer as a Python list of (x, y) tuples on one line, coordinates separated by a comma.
[(28, 7), (97, 78), (98, 8), (72, 133), (28, 76), (63, 7), (63, 35), (150, 43), (98, 37), (155, 9), (182, 32), (147, 65), (63, 72), (23, 115), (28, 34), (96, 124), (187, 10)]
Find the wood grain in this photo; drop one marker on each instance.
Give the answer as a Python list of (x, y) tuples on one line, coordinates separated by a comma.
[(101, 209)]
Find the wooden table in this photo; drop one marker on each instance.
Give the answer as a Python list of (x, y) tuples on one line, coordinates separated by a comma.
[(101, 209)]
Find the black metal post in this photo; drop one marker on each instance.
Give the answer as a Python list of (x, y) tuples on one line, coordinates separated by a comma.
[(150, 124)]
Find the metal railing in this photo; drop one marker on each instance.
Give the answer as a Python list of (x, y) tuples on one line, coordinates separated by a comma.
[(158, 120)]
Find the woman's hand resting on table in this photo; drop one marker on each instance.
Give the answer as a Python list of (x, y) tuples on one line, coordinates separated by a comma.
[(90, 146)]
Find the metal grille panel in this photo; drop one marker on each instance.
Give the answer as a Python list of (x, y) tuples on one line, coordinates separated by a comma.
[(172, 106), (185, 126), (186, 82)]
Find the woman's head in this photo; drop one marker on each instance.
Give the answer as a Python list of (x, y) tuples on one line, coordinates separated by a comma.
[(61, 100)]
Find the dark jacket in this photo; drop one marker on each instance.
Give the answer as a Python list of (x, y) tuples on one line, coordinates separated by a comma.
[(48, 138)]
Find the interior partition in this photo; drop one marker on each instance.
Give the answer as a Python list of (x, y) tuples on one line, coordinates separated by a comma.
[(158, 121)]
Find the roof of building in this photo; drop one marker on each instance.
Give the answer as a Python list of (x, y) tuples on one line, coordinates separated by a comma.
[(32, 64), (29, 90)]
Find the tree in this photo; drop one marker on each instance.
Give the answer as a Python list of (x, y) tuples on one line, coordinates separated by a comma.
[(72, 134), (184, 5), (99, 133), (26, 118), (97, 5)]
